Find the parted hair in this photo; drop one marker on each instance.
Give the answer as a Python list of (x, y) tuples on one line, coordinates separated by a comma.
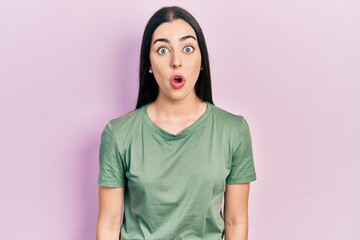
[(148, 88)]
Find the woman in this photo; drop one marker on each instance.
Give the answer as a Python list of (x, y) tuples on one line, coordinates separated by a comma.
[(173, 159)]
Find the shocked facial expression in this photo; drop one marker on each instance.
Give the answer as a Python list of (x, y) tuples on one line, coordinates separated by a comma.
[(175, 59)]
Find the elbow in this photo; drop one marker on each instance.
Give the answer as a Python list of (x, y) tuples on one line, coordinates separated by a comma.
[(236, 229), (236, 222), (106, 231), (109, 224)]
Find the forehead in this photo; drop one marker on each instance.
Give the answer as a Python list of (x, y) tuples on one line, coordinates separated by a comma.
[(174, 29)]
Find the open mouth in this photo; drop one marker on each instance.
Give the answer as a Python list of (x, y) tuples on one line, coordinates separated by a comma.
[(177, 81)]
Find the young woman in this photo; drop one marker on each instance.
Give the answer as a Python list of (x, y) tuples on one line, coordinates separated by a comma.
[(173, 159)]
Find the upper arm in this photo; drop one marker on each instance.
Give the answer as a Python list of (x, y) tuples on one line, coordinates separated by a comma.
[(242, 163), (112, 166), (110, 207), (236, 203)]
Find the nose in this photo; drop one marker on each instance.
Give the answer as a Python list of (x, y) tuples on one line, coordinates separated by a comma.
[(176, 60)]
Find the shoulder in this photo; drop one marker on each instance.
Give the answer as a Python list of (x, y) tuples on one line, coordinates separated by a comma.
[(229, 119), (125, 123)]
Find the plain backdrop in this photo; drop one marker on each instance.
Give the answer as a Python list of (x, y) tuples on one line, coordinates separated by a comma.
[(291, 68)]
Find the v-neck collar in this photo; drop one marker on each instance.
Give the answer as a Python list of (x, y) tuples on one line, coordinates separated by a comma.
[(185, 132)]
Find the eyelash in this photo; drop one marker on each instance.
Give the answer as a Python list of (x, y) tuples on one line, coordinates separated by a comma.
[(192, 48), (158, 50)]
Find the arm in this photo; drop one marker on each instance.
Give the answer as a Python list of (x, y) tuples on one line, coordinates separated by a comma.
[(236, 211), (110, 213)]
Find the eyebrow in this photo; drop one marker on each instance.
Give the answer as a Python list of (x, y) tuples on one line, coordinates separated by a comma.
[(181, 39)]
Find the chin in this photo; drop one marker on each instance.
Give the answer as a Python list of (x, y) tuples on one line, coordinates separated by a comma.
[(179, 96)]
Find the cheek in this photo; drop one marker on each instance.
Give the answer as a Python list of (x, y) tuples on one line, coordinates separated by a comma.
[(158, 69), (196, 63), (157, 63), (197, 59)]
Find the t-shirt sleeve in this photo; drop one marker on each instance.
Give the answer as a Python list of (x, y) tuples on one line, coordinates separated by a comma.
[(111, 171), (242, 167)]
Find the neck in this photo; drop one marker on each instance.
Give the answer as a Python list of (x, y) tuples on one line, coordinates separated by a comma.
[(179, 108)]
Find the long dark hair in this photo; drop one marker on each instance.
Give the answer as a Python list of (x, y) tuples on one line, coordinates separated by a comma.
[(148, 88)]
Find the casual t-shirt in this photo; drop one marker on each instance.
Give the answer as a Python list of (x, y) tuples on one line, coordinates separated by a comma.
[(174, 184)]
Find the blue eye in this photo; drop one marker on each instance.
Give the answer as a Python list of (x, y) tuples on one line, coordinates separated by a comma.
[(188, 49), (162, 51)]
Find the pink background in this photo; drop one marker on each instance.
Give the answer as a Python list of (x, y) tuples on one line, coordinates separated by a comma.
[(292, 68)]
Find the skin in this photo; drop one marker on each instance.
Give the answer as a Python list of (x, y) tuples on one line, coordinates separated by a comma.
[(236, 211), (175, 49), (110, 213)]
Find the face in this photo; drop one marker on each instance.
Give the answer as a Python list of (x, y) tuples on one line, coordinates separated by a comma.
[(175, 59)]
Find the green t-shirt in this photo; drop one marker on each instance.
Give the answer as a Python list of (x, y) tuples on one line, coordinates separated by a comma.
[(174, 184)]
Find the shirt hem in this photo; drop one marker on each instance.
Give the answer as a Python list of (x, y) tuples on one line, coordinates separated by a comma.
[(110, 184), (242, 180)]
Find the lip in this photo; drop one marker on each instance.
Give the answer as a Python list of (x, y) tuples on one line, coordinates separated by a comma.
[(174, 83)]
